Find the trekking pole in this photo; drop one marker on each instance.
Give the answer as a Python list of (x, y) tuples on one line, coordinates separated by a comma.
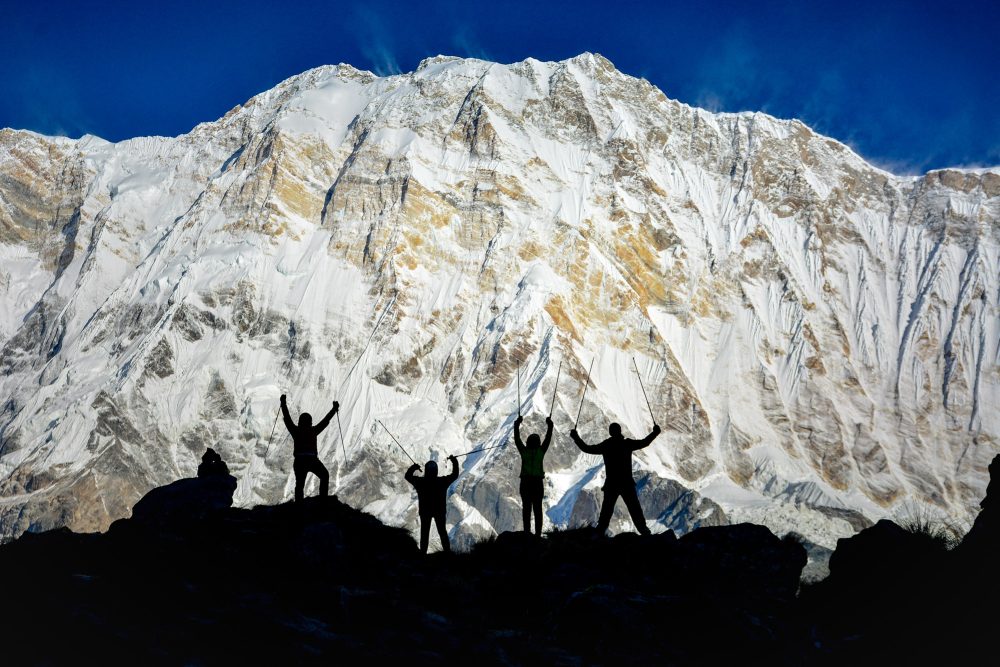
[(481, 449), (519, 390), (643, 390), (343, 450), (272, 433), (396, 441), (552, 405), (367, 343), (584, 395)]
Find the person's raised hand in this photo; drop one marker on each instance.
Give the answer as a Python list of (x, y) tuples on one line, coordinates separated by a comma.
[(454, 460), (336, 406), (656, 429), (548, 421), (573, 433), (519, 419), (283, 397)]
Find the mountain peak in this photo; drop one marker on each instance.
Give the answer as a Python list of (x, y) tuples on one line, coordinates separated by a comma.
[(814, 333), (436, 60)]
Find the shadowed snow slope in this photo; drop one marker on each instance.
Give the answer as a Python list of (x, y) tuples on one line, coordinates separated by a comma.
[(819, 338)]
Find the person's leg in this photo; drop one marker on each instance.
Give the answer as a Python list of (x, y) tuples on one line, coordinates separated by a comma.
[(538, 494), (425, 532), (607, 508), (526, 505), (320, 471), (301, 471), (439, 520), (631, 499)]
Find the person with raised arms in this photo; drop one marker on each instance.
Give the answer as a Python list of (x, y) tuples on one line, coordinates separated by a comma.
[(617, 452), (532, 486), (306, 457), (432, 492)]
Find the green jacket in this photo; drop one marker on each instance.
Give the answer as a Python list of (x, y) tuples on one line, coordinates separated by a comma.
[(532, 457)]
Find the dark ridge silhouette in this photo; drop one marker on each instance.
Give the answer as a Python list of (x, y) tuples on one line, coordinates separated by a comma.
[(903, 596), (532, 487), (983, 539), (432, 496), (618, 482), (317, 581), (307, 461)]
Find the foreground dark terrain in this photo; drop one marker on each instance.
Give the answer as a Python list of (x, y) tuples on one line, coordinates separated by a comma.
[(189, 580)]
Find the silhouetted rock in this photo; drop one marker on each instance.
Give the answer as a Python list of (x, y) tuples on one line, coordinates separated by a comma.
[(888, 590), (516, 542), (879, 553), (983, 539), (992, 497), (973, 589), (745, 557)]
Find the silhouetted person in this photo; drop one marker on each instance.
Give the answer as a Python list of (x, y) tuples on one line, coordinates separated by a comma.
[(212, 464), (306, 459), (617, 453), (532, 473), (432, 491)]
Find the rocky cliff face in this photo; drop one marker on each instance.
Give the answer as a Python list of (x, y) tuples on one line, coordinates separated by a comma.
[(820, 340)]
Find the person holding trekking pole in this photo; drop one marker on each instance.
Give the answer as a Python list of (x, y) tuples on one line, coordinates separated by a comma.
[(432, 494), (617, 453), (532, 473), (306, 457)]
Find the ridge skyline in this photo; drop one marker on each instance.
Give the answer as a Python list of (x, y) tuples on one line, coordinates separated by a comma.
[(888, 168)]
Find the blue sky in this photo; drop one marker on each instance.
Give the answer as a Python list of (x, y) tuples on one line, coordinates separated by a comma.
[(910, 85)]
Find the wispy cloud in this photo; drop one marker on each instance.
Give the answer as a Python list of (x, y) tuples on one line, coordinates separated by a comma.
[(735, 77), (50, 103), (376, 42), (467, 44)]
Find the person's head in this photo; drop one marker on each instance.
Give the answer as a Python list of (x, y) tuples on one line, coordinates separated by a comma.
[(305, 420), (430, 469), (534, 440), (615, 430)]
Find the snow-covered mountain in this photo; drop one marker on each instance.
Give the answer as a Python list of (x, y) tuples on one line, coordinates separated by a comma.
[(820, 339)]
